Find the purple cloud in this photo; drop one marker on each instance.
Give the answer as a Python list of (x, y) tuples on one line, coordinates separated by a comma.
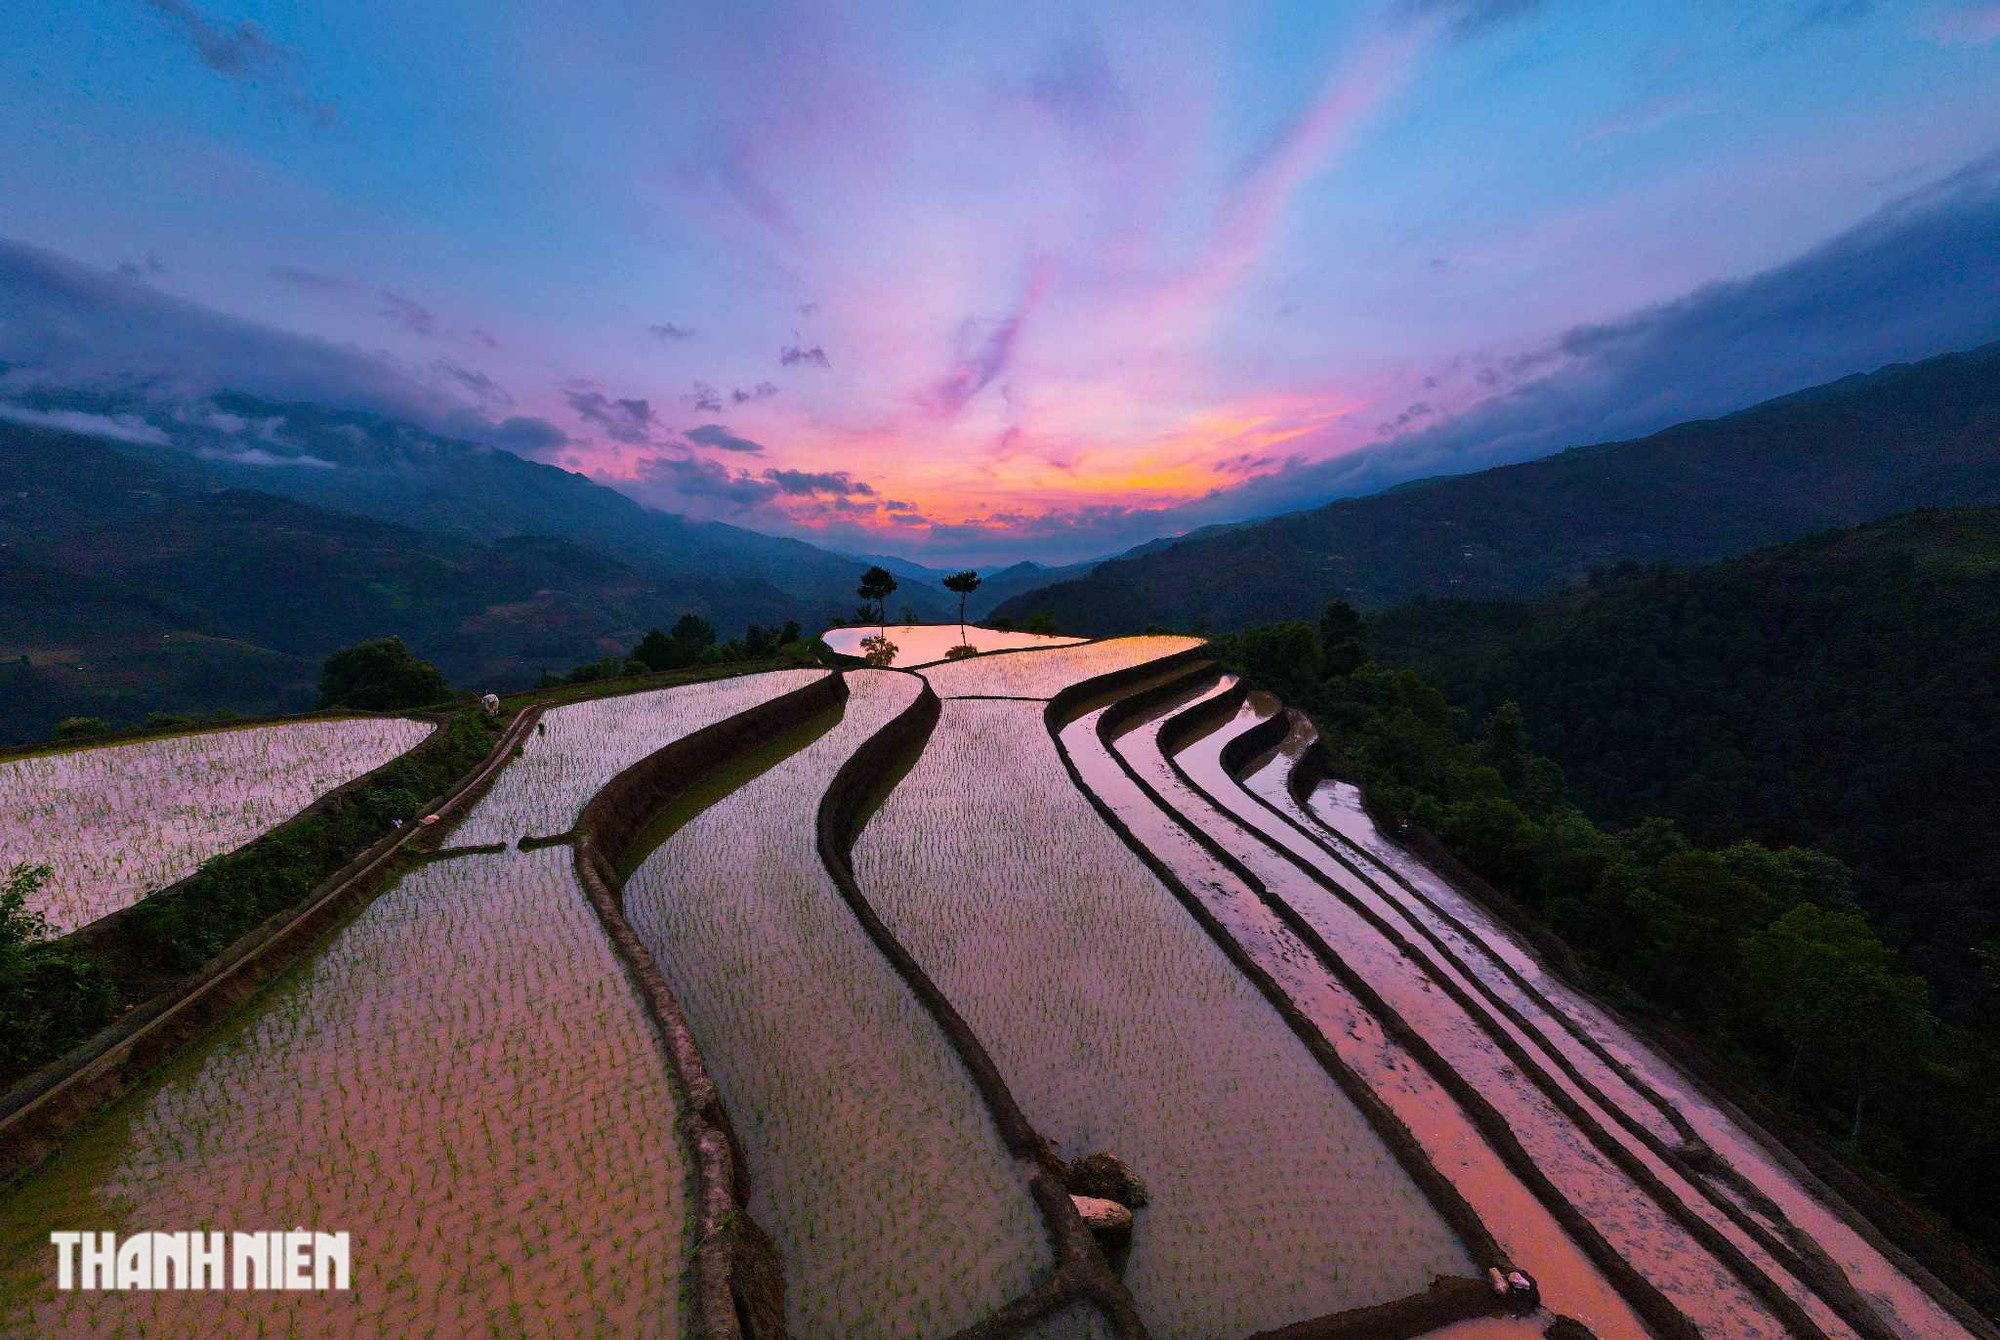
[(240, 52), (410, 314), (715, 435), (793, 354), (630, 421)]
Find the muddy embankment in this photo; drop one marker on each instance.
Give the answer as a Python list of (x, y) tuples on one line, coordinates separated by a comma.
[(734, 1286), (1940, 1264), (37, 1112), (1708, 1186), (1639, 1292), (1082, 1272), (1447, 1300)]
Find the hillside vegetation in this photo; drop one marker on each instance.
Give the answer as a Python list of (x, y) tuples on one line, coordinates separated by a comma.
[(1918, 435), (1862, 998), (128, 586), (1841, 692)]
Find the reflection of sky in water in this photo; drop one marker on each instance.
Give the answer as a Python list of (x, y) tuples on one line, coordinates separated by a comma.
[(921, 643)]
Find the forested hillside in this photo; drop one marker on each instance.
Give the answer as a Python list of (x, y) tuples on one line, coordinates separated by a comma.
[(1841, 692), (1919, 435), (127, 587), (1792, 973)]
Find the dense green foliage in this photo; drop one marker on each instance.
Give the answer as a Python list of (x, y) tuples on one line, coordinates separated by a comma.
[(1921, 435), (53, 994), (1760, 952), (380, 675), (49, 996), (1842, 692)]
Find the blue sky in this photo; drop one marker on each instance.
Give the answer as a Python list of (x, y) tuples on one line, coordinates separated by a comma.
[(1003, 280)]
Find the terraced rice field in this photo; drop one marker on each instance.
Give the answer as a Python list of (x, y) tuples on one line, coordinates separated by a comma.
[(1527, 1233), (581, 746), (115, 822), (921, 643), (462, 1079), (1120, 1026), (1043, 674), (1569, 1135), (873, 1163), (1895, 1296)]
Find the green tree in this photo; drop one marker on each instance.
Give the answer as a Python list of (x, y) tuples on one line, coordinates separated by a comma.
[(1828, 986), (790, 633), (50, 997), (656, 651), (1039, 621), (1507, 745), (81, 728), (964, 583), (693, 635), (877, 585), (380, 676), (1342, 649), (1281, 656)]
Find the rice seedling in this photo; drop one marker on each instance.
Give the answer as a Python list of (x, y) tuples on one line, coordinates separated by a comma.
[(922, 643), (1337, 808), (117, 821), (1121, 1026), (1043, 674), (579, 747), (873, 1164), (1629, 1215), (462, 1079)]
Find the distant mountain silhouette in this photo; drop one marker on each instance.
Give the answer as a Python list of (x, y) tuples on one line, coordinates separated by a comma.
[(132, 584), (367, 465), (1912, 435)]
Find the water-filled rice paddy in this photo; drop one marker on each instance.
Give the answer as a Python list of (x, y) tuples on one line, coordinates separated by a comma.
[(1337, 807), (462, 1079), (115, 822), (920, 643), (1120, 1026), (1526, 1231), (874, 1165), (581, 746), (1661, 1248), (1638, 1117), (1043, 674)]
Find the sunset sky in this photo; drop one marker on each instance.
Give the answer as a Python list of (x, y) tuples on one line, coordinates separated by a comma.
[(987, 281)]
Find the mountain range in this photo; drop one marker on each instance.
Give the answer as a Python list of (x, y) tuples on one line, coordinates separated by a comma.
[(1908, 436)]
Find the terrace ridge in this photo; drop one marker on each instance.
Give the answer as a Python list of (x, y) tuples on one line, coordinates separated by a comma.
[(1639, 1292), (108, 926), (1804, 1258), (735, 1288), (1268, 732), (45, 1105), (1906, 1243), (1082, 1272), (1447, 1300)]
